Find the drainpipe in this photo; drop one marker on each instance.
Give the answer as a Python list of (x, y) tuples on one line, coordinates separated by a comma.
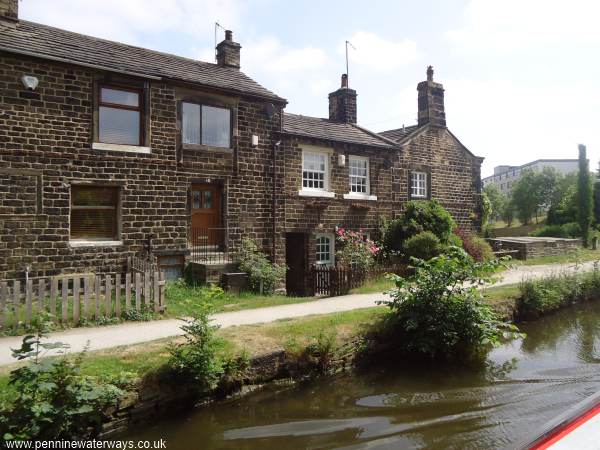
[(274, 159)]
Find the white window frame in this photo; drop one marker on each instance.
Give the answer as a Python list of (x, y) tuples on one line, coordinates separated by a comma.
[(359, 195), (331, 261), (418, 189), (312, 191)]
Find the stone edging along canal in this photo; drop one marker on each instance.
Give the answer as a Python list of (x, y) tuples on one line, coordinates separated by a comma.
[(157, 396)]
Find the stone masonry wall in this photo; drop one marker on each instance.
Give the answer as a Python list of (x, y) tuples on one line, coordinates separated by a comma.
[(45, 146)]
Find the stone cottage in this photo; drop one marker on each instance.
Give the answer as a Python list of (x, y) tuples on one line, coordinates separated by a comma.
[(338, 174), (109, 151)]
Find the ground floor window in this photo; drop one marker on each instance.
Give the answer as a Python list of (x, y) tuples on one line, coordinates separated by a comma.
[(94, 212), (324, 248)]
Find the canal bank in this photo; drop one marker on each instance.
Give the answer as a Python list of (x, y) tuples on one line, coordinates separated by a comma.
[(519, 387)]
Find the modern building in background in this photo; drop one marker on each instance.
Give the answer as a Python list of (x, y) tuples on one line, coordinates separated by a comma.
[(505, 177)]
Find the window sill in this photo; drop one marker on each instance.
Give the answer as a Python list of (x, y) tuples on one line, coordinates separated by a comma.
[(121, 148), (357, 196), (322, 194), (78, 243), (206, 148)]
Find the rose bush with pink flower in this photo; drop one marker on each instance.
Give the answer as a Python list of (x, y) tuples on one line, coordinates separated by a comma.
[(355, 249)]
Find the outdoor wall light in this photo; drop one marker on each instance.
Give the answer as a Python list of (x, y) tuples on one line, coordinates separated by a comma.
[(30, 82), (254, 140)]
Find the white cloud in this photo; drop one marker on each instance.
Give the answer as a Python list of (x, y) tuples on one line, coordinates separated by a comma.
[(270, 55), (510, 123), (519, 25), (378, 53), (126, 21)]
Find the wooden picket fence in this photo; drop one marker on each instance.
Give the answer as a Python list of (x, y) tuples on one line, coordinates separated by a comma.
[(331, 281), (76, 298)]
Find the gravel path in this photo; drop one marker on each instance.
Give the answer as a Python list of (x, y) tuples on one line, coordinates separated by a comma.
[(137, 332)]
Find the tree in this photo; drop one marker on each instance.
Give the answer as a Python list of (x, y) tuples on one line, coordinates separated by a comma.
[(563, 207), (525, 196), (486, 209), (497, 200), (597, 197), (508, 212), (584, 196), (534, 192)]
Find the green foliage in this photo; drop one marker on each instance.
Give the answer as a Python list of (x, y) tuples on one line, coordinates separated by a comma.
[(355, 250), (51, 399), (424, 245), (419, 216), (563, 208), (534, 192), (584, 196), (263, 275), (476, 247), (567, 230), (486, 209), (322, 350), (198, 357), (439, 312), (545, 295), (145, 314), (508, 212), (496, 199), (597, 202)]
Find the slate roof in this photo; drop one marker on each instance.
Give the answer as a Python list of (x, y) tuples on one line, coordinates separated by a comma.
[(316, 127), (399, 133), (43, 41)]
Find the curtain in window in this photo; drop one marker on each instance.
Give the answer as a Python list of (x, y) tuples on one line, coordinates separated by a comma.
[(216, 126), (191, 123), (94, 212)]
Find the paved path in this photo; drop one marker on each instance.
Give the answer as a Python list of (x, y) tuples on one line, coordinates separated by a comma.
[(138, 332)]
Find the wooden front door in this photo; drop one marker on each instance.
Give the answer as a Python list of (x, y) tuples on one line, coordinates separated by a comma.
[(295, 258), (206, 215)]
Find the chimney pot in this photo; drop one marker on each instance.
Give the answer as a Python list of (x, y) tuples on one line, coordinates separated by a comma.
[(228, 35), (429, 73), (344, 80)]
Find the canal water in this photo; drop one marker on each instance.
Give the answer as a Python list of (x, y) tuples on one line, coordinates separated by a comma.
[(522, 385)]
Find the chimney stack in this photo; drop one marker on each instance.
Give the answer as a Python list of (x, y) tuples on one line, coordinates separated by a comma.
[(228, 52), (431, 102), (9, 10), (342, 103)]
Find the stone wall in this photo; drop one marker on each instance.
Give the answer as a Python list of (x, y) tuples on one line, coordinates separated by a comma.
[(46, 146)]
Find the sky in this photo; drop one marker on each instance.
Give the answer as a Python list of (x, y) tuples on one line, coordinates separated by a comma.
[(521, 77)]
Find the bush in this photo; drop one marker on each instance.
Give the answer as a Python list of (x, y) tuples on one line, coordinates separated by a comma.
[(424, 245), (567, 230), (478, 248), (197, 358), (355, 251), (419, 216), (263, 275), (51, 399), (439, 312), (545, 295)]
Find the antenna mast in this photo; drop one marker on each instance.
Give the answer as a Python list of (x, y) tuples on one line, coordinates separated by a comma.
[(217, 26), (348, 43)]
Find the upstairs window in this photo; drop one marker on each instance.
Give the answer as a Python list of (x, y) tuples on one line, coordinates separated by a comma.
[(206, 125), (359, 174), (94, 212), (120, 116), (418, 185), (314, 170)]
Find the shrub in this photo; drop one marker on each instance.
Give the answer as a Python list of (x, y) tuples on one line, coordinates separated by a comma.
[(476, 247), (424, 245), (51, 399), (567, 230), (356, 250), (263, 275), (545, 295), (439, 312), (419, 216), (197, 358)]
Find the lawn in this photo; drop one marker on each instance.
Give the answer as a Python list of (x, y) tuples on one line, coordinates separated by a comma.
[(579, 255)]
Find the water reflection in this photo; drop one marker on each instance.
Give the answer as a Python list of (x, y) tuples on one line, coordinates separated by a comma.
[(522, 385)]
